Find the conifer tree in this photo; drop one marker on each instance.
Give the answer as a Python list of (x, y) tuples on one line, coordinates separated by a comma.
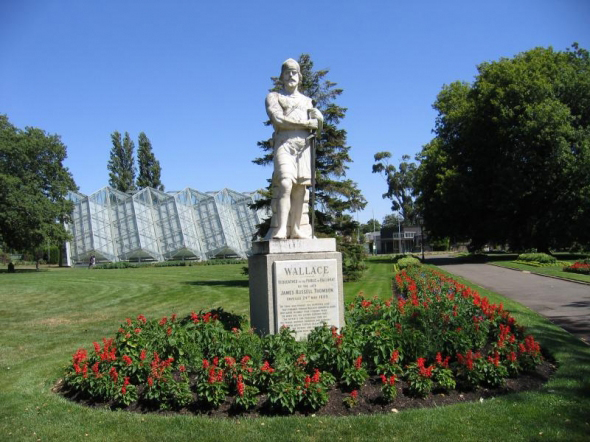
[(149, 166), (121, 165)]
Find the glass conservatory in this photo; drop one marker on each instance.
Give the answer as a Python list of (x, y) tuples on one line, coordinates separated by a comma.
[(154, 225)]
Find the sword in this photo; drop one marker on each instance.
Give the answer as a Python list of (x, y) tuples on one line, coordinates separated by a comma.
[(313, 146)]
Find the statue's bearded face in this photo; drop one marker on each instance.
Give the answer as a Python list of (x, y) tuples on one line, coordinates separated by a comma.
[(290, 77)]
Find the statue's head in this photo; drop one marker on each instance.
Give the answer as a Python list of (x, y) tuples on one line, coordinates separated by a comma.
[(289, 68)]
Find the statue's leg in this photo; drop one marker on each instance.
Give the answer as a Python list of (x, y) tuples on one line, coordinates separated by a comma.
[(297, 201), (283, 207)]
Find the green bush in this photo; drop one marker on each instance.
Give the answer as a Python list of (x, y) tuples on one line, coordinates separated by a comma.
[(541, 258), (407, 262)]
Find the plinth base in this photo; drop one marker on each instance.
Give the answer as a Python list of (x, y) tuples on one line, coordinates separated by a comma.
[(295, 283)]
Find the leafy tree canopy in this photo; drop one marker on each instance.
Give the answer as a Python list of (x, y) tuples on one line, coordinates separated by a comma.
[(400, 184), (33, 187), (511, 158), (372, 225), (392, 220)]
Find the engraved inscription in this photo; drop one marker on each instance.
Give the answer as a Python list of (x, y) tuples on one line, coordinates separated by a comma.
[(306, 294)]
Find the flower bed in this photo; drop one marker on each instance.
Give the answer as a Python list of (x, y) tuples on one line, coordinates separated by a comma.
[(437, 335), (582, 267)]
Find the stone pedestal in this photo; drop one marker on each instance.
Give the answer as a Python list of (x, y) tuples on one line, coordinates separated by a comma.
[(297, 283)]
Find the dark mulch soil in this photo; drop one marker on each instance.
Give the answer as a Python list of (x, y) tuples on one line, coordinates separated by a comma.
[(369, 399)]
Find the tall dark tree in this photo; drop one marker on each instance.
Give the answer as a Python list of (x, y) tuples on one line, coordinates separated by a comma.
[(33, 188), (149, 166), (511, 158), (121, 163), (400, 185), (335, 195)]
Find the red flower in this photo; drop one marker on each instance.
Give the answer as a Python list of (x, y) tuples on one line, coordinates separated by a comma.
[(394, 357), (241, 386), (142, 319), (169, 331), (128, 321), (358, 363), (79, 357), (163, 321), (301, 362), (316, 376), (495, 359), (114, 375), (205, 364), (182, 368), (137, 331), (150, 381), (124, 387), (127, 360), (354, 394), (142, 355), (267, 368)]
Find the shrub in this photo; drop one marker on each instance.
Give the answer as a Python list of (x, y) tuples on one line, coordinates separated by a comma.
[(407, 262), (541, 258), (581, 267)]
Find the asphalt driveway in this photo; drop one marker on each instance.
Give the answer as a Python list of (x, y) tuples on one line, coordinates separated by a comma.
[(564, 303)]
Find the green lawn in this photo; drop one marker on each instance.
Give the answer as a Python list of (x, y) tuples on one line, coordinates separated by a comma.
[(47, 315), (555, 271)]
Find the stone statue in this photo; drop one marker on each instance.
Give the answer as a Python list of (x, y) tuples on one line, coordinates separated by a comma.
[(295, 123)]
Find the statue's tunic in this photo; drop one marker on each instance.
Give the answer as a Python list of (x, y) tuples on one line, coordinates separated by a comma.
[(292, 157)]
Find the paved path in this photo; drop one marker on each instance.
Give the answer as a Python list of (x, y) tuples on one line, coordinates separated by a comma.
[(564, 303)]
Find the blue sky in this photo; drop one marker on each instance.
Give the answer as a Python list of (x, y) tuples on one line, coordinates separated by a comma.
[(193, 75)]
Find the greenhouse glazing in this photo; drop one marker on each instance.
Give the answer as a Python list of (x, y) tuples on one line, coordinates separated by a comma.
[(155, 225)]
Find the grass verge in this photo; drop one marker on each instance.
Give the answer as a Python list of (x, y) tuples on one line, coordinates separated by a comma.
[(46, 316), (555, 271)]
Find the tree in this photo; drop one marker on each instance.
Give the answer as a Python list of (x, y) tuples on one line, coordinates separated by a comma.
[(334, 195), (511, 158), (392, 220), (370, 226), (149, 166), (121, 163), (33, 188), (400, 184)]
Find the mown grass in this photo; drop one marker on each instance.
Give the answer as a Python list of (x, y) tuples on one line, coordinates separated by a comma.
[(46, 316), (556, 271)]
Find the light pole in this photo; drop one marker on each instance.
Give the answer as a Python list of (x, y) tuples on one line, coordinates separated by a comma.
[(399, 232)]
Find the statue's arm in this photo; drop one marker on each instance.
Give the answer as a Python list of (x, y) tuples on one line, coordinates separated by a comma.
[(280, 121)]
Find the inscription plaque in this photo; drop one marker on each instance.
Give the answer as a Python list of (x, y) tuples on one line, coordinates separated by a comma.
[(306, 294)]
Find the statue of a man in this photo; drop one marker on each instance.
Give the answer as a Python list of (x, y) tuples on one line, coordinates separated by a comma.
[(295, 122)]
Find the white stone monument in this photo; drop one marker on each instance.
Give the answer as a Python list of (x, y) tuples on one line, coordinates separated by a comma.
[(295, 279)]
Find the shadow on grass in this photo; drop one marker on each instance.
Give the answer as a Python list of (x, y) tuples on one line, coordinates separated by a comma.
[(219, 283), (471, 259), (381, 260)]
